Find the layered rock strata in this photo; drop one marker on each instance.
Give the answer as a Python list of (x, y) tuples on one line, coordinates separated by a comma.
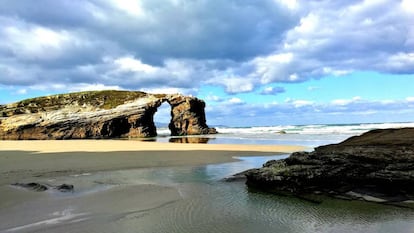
[(188, 116), (376, 166), (95, 115)]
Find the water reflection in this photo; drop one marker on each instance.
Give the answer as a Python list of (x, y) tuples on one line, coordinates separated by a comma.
[(275, 139), (229, 207), (190, 140), (210, 205)]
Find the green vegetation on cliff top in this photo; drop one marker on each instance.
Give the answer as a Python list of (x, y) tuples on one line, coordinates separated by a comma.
[(106, 99)]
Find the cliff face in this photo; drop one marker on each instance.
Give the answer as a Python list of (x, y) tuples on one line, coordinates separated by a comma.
[(376, 166), (99, 114), (187, 116)]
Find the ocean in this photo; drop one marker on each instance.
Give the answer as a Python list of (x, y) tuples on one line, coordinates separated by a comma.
[(302, 135)]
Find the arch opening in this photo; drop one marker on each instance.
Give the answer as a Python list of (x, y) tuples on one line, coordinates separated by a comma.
[(162, 118)]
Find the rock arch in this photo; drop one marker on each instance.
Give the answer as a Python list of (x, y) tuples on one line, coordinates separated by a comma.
[(103, 114)]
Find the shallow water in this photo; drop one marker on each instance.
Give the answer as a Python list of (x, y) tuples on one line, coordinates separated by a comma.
[(205, 204), (212, 205), (307, 140), (304, 135), (230, 208)]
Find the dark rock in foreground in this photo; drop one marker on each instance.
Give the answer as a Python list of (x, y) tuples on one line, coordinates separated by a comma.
[(38, 187), (100, 114), (376, 166)]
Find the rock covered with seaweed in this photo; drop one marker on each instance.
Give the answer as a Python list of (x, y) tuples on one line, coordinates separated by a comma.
[(376, 166), (99, 114)]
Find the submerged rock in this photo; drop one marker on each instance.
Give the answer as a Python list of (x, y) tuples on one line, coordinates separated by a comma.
[(38, 187), (99, 114), (65, 188), (376, 166), (32, 186)]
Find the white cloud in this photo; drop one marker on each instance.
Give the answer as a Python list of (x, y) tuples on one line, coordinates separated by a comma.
[(335, 72), (273, 67), (235, 100), (21, 91), (308, 24), (290, 4), (131, 7), (233, 84), (73, 88), (214, 98), (241, 46), (407, 5), (168, 90), (301, 103), (338, 38), (92, 87), (365, 113), (272, 90), (410, 99), (130, 64), (36, 42), (342, 102), (298, 103), (387, 102), (293, 111), (401, 61)]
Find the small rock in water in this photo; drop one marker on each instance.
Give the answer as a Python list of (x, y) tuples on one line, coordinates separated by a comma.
[(65, 187), (32, 186), (38, 187)]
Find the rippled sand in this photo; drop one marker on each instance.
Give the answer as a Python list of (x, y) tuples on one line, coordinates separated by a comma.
[(97, 199)]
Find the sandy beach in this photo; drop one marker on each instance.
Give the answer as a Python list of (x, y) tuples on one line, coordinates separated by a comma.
[(23, 159), (133, 186), (85, 164), (50, 146)]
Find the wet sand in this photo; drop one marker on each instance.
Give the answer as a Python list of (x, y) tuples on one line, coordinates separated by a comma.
[(97, 203), (50, 146), (130, 186), (25, 159)]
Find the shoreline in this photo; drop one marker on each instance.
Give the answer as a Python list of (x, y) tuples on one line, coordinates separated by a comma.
[(23, 160), (112, 145)]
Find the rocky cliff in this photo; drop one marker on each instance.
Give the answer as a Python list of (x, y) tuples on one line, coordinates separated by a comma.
[(188, 116), (99, 114), (376, 166)]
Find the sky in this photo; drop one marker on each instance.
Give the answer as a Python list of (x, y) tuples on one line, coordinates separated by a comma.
[(255, 63)]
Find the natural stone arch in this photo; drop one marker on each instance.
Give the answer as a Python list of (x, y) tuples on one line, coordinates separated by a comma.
[(101, 114)]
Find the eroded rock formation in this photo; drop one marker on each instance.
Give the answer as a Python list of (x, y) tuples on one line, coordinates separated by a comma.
[(376, 166), (98, 114), (187, 116)]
